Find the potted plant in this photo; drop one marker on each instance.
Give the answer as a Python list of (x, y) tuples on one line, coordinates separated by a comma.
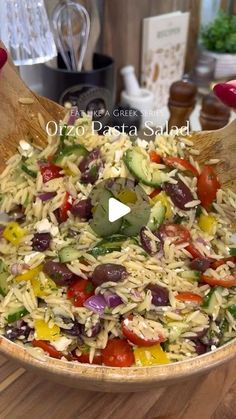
[(219, 41)]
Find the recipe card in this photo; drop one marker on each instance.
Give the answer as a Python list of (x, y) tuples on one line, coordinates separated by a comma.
[(163, 53)]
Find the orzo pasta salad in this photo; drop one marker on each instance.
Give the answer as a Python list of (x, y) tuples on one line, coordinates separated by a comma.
[(163, 295)]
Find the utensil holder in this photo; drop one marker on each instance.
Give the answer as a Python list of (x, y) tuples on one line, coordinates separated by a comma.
[(92, 91)]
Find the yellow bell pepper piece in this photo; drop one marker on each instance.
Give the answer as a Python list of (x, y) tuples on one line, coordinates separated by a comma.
[(29, 275), (127, 196), (68, 172), (207, 223), (162, 197), (150, 355), (41, 290), (44, 332), (13, 232)]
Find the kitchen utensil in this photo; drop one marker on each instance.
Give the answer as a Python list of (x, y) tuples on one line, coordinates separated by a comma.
[(21, 120), (25, 30), (71, 25), (95, 29)]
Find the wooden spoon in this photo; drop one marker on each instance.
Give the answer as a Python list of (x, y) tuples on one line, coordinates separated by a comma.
[(21, 120)]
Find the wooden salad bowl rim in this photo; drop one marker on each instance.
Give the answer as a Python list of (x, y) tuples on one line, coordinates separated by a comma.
[(102, 378), (21, 120)]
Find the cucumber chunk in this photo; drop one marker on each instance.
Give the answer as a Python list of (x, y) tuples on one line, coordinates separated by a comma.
[(16, 314), (76, 149), (3, 283), (143, 169), (68, 253), (157, 216), (111, 244), (4, 274)]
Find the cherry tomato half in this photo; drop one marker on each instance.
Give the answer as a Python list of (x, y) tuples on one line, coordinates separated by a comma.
[(189, 296), (84, 358), (80, 291), (193, 251), (175, 230), (227, 283), (118, 353), (50, 171), (65, 207), (134, 337), (222, 261), (155, 157), (155, 193), (207, 186), (52, 352), (185, 164)]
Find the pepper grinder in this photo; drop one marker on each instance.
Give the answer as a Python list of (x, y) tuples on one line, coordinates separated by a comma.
[(181, 102), (214, 114)]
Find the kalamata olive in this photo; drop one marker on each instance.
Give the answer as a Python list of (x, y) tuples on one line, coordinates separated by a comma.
[(200, 347), (150, 246), (90, 175), (76, 329), (200, 264), (109, 272), (41, 241), (82, 209), (58, 272), (179, 193), (93, 331), (160, 295), (85, 162), (16, 330), (17, 214)]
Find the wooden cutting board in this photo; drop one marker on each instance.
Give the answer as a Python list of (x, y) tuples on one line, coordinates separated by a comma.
[(24, 394)]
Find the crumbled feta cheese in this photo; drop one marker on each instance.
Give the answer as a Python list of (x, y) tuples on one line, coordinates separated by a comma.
[(30, 256), (44, 226), (25, 149), (112, 134), (61, 344), (118, 155), (142, 143)]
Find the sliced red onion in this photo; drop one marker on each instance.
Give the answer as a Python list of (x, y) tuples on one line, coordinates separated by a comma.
[(73, 115), (202, 241), (46, 196), (18, 268), (96, 303), (112, 300), (2, 228)]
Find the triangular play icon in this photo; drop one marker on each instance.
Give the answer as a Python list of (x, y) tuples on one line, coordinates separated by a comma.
[(116, 210)]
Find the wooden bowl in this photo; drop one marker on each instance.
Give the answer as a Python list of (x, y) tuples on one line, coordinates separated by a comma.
[(20, 120)]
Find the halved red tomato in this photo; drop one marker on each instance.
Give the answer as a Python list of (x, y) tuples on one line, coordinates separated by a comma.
[(84, 358), (185, 164), (207, 186), (189, 296), (155, 157), (175, 230), (118, 353), (50, 171), (135, 337), (80, 291)]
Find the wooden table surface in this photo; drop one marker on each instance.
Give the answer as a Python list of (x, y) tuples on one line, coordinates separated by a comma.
[(24, 394)]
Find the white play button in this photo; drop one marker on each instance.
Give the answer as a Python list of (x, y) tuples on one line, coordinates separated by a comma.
[(116, 210)]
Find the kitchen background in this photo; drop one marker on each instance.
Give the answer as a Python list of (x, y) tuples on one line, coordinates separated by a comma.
[(126, 31)]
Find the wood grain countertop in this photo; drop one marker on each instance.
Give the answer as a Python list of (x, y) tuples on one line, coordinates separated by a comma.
[(24, 394)]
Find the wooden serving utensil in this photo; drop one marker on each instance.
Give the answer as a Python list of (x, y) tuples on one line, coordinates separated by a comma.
[(19, 121)]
